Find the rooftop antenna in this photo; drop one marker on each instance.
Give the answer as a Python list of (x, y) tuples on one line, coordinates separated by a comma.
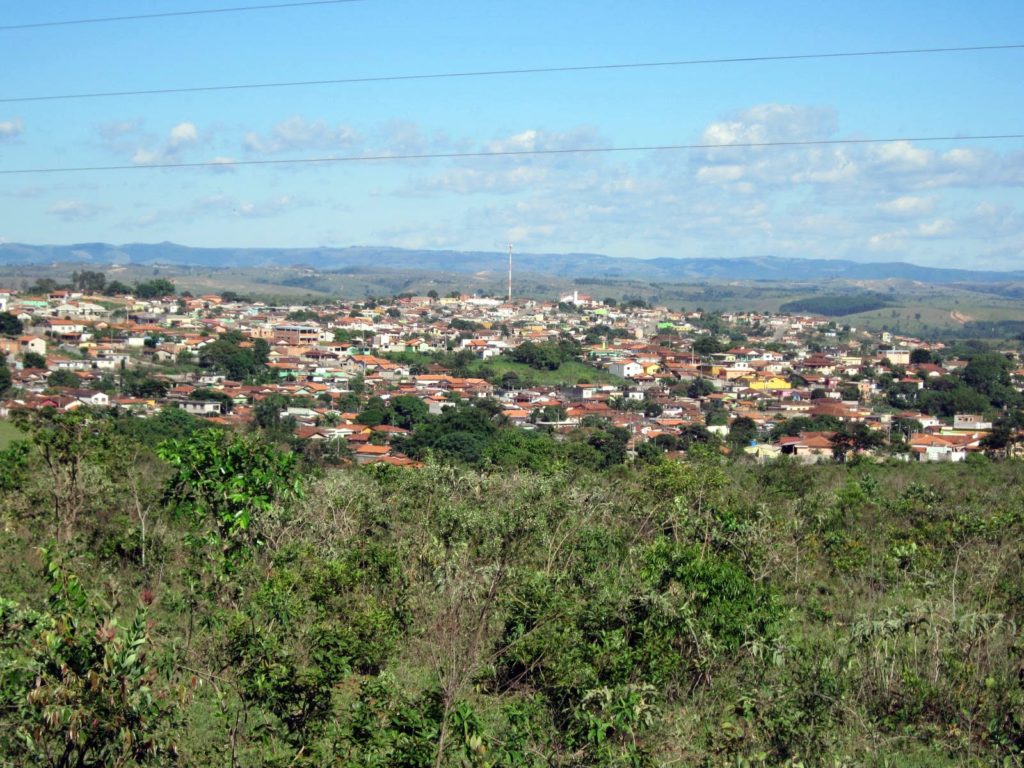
[(510, 273)]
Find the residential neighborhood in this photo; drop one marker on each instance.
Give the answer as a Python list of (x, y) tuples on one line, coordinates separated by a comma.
[(761, 384)]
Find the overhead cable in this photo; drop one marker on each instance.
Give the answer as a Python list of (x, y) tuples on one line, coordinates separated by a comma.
[(198, 12), (500, 72), (228, 163)]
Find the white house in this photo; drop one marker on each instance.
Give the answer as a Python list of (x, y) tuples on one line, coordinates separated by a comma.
[(971, 421), (90, 397), (626, 369), (32, 344)]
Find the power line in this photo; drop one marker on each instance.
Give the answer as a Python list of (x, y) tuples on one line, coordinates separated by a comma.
[(236, 9), (510, 153), (497, 72)]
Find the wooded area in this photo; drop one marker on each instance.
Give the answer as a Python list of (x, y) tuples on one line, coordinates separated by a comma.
[(215, 601)]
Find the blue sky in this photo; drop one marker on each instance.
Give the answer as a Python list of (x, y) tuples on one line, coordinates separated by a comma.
[(944, 204)]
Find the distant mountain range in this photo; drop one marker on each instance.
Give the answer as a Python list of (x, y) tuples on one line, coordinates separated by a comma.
[(371, 259)]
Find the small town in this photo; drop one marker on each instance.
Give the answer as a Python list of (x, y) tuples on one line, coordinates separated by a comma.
[(349, 381), (511, 385)]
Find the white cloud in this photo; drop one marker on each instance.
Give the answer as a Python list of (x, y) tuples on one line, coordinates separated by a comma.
[(772, 122), (75, 210), (404, 137), (119, 128), (223, 164), (935, 228), (11, 129), (245, 209), (218, 206), (843, 201), (568, 172), (145, 157), (901, 155), (297, 133), (906, 206), (183, 133), (716, 174), (471, 181), (904, 200), (886, 241), (539, 140), (180, 137)]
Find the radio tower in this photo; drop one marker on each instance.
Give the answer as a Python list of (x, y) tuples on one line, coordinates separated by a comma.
[(510, 273)]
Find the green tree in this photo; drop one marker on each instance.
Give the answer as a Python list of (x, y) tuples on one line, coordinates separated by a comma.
[(5, 377), (742, 432), (919, 356), (700, 387), (546, 355), (849, 392), (169, 423), (374, 413), (154, 289), (552, 413), (347, 402), (610, 445), (139, 384), (1006, 432), (459, 434), (989, 374), (267, 411), (116, 288), (228, 487), (708, 345), (62, 377), (406, 411), (79, 687), (649, 452), (64, 444), (33, 360), (236, 356), (44, 285), (853, 438), (10, 325), (89, 281)]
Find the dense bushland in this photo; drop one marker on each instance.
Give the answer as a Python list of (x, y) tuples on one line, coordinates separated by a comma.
[(215, 602)]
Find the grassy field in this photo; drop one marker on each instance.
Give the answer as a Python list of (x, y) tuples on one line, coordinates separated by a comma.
[(567, 374), (8, 434), (570, 373), (931, 313)]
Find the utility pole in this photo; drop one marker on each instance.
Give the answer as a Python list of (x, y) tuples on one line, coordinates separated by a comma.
[(510, 273)]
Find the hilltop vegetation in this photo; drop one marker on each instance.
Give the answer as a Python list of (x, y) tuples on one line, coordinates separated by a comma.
[(218, 602), (836, 305)]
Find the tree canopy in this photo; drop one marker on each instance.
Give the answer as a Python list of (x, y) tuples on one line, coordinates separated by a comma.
[(10, 325)]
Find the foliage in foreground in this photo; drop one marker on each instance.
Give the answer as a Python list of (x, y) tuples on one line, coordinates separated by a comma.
[(214, 605)]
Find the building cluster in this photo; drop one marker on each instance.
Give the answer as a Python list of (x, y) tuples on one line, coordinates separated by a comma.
[(657, 373)]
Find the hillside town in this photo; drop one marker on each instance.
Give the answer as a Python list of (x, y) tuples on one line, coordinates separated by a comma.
[(340, 378)]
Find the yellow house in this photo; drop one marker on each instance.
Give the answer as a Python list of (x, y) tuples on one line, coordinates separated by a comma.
[(651, 368), (776, 383)]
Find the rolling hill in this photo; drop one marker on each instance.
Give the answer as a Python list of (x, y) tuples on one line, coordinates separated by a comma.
[(357, 259)]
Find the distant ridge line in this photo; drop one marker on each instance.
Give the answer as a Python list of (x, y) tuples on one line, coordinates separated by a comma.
[(564, 265)]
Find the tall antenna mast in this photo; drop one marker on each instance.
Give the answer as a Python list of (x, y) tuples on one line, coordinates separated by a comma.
[(510, 273)]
